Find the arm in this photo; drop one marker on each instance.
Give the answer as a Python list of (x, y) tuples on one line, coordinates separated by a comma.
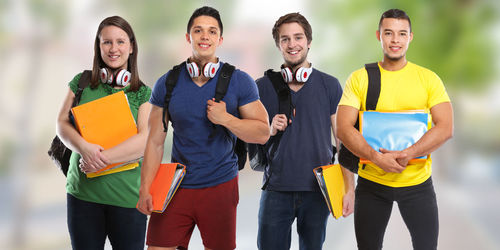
[(253, 127), (73, 140), (356, 143), (152, 158), (442, 117), (348, 199)]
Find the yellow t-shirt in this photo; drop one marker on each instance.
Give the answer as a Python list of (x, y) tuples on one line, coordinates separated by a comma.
[(411, 88)]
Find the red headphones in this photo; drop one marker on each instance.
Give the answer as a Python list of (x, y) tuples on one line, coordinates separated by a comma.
[(209, 70), (300, 75), (121, 78)]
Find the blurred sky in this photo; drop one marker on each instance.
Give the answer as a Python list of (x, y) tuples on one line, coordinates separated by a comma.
[(44, 43)]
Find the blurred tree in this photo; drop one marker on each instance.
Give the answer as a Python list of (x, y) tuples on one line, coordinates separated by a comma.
[(449, 36)]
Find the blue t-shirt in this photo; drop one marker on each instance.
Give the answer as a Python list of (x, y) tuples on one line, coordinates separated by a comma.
[(209, 160), (306, 142)]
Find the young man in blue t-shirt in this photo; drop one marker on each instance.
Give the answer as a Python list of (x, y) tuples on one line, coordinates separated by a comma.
[(306, 142), (208, 195)]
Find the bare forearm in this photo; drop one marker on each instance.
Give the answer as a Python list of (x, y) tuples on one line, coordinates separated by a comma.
[(69, 136), (348, 180), (431, 141), (130, 149), (249, 130)]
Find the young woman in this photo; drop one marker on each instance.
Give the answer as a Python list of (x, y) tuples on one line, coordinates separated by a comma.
[(105, 206)]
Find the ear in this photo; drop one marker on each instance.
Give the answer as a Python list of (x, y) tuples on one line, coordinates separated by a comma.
[(188, 38), (377, 33), (411, 36), (220, 40)]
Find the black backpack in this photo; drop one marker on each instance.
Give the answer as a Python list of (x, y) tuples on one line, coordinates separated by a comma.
[(257, 153), (220, 91), (347, 159), (58, 152)]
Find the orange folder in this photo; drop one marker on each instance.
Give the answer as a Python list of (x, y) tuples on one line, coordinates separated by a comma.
[(107, 122), (331, 182), (167, 180)]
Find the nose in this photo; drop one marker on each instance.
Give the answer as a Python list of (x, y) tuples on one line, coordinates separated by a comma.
[(114, 46), (204, 35)]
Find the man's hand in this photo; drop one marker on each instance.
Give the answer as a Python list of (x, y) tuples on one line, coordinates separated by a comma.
[(388, 161), (279, 123), (216, 112)]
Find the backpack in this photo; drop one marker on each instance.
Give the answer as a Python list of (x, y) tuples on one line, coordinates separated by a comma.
[(220, 91), (257, 153), (58, 152), (346, 158)]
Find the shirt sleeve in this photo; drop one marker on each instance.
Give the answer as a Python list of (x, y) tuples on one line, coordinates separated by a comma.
[(159, 91), (248, 91), (335, 94), (437, 91), (73, 84), (352, 92)]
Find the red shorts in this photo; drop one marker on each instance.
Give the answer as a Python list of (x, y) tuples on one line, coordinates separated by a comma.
[(212, 209)]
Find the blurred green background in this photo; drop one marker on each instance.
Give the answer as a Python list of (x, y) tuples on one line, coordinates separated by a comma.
[(43, 44)]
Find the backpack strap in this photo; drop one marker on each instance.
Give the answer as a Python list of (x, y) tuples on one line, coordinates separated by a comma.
[(283, 92), (170, 83), (346, 157), (223, 82), (373, 85)]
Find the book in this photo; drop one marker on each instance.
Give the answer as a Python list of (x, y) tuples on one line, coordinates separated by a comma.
[(395, 130), (331, 183), (106, 121), (165, 184)]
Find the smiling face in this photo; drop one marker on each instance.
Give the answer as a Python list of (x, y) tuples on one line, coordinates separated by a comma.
[(204, 37), (293, 44), (115, 47), (394, 36)]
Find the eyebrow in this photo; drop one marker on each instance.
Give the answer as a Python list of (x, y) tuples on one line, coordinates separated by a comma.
[(393, 30)]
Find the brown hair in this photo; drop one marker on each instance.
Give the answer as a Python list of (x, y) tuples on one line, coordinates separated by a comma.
[(132, 60), (394, 13), (292, 18)]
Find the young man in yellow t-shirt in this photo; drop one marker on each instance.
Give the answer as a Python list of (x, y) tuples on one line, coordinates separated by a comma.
[(404, 86)]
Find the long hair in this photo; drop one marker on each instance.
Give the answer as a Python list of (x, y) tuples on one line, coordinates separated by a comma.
[(132, 59)]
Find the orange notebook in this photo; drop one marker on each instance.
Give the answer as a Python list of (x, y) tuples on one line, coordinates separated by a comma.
[(107, 122), (331, 183), (167, 180)]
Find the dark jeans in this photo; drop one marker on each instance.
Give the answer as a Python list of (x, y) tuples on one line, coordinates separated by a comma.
[(417, 205), (89, 223), (277, 212)]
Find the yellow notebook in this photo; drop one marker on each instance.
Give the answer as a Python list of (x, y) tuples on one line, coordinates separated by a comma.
[(107, 122), (331, 183)]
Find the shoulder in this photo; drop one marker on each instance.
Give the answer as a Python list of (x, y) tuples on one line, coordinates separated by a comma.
[(424, 72), (327, 78), (73, 84)]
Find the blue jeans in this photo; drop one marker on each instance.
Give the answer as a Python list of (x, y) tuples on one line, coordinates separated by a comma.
[(417, 205), (90, 223), (277, 212)]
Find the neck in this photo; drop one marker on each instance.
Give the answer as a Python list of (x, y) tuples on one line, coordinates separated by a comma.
[(304, 64), (393, 65), (201, 61)]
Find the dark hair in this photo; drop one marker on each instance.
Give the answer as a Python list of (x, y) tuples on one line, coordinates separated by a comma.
[(205, 11), (394, 13), (292, 18), (132, 60)]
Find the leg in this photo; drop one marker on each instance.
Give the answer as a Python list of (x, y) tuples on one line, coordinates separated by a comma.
[(126, 227), (276, 215), (86, 224), (419, 210), (372, 209), (173, 227), (215, 215), (312, 217)]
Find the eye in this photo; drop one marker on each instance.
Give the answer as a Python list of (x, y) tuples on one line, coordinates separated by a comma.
[(106, 42), (403, 34), (213, 32), (387, 33)]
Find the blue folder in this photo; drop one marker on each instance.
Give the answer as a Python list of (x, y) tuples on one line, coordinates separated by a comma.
[(393, 130)]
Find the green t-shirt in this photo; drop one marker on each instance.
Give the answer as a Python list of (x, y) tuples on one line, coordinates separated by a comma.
[(118, 189)]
